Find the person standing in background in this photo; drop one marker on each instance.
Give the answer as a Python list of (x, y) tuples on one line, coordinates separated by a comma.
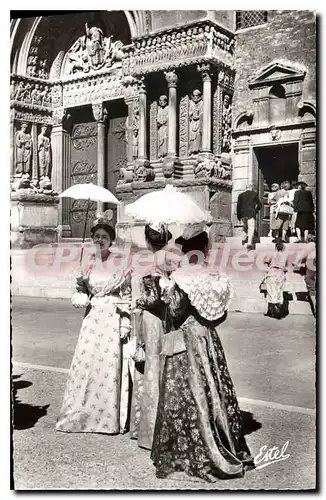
[(303, 205), (272, 202), (247, 207), (292, 191)]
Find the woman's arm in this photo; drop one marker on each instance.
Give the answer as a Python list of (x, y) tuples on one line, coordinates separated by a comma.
[(124, 308)]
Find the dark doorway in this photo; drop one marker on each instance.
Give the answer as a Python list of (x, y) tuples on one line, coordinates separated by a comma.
[(274, 164)]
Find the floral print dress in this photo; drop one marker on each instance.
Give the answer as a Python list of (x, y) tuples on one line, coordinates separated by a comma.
[(198, 426), (97, 390)]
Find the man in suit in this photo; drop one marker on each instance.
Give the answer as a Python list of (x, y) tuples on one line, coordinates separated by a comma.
[(247, 207)]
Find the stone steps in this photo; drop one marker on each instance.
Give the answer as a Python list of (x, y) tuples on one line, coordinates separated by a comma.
[(247, 297)]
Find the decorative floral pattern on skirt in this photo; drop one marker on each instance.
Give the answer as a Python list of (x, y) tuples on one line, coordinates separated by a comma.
[(198, 428), (96, 395)]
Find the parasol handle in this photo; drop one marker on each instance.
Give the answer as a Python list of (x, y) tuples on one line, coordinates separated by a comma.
[(82, 250)]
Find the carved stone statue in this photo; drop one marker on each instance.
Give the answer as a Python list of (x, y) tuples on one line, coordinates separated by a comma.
[(226, 123), (222, 171), (94, 45), (23, 150), (195, 122), (162, 126), (44, 153)]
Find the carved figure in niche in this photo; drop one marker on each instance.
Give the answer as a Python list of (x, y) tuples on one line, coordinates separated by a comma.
[(195, 122), (19, 91), (226, 123), (162, 127), (36, 96), (26, 96), (46, 97), (44, 153), (23, 150), (43, 71)]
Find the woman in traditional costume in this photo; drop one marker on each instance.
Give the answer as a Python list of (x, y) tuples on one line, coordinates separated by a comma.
[(97, 390), (149, 330), (198, 427)]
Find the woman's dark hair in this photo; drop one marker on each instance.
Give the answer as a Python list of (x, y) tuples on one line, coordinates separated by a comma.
[(279, 246), (198, 243), (109, 229), (157, 239)]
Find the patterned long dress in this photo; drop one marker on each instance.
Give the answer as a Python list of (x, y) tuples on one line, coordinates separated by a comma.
[(147, 374), (97, 390), (198, 426)]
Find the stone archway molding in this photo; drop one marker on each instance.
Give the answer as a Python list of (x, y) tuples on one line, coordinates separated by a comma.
[(139, 23)]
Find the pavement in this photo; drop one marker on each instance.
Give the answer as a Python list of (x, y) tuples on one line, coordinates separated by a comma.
[(272, 364)]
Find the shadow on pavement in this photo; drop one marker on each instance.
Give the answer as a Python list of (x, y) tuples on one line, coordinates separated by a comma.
[(25, 415), (249, 423)]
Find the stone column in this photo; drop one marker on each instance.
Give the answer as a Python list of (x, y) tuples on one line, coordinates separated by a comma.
[(60, 142), (172, 80), (142, 140), (207, 107), (100, 115), (35, 170)]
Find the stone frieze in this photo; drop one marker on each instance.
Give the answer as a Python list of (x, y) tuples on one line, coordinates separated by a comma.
[(179, 47)]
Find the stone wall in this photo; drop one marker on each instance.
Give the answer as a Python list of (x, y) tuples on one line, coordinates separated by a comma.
[(163, 19), (288, 36)]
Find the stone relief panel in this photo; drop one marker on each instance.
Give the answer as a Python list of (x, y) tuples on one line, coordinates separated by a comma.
[(37, 63), (153, 131), (84, 136), (93, 51), (30, 93), (216, 122), (226, 123), (184, 126), (213, 168), (179, 46), (86, 91)]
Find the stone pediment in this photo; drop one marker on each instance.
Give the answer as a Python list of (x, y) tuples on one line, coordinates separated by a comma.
[(276, 72)]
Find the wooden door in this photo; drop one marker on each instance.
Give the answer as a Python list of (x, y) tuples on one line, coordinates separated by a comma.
[(83, 169)]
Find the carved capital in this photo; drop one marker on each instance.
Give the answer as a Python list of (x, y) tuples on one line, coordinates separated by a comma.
[(60, 116), (205, 70), (130, 88), (171, 78), (100, 113)]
